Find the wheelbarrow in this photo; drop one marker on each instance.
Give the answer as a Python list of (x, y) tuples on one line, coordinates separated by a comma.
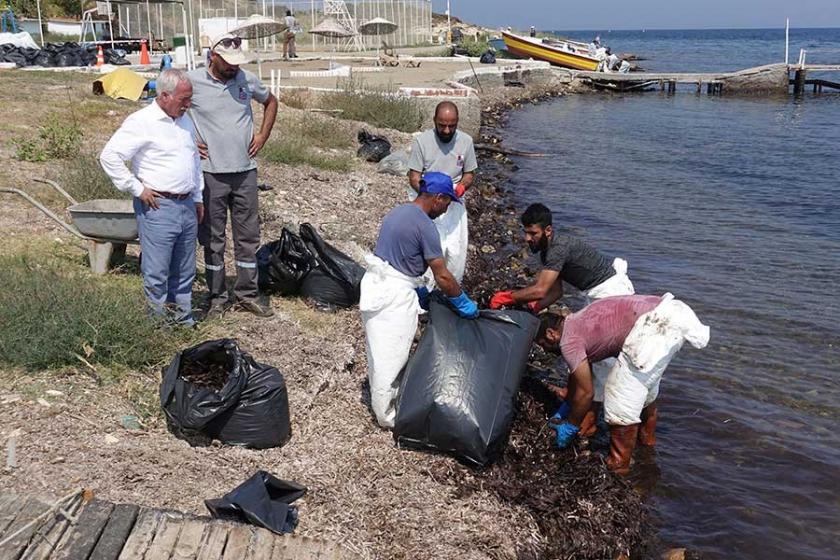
[(107, 225)]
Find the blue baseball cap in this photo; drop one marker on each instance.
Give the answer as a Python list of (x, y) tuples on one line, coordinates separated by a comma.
[(435, 182)]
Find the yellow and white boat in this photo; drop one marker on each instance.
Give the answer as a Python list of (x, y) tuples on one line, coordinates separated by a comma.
[(568, 54)]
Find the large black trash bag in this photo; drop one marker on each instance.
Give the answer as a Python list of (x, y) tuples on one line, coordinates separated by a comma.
[(335, 280), (488, 57), (458, 392), (373, 148), (283, 264), (262, 500), (229, 396)]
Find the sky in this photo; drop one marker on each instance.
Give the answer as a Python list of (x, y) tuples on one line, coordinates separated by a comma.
[(645, 14)]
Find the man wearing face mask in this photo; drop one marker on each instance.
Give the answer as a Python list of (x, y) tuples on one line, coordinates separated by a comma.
[(165, 179), (392, 291), (446, 149), (228, 143)]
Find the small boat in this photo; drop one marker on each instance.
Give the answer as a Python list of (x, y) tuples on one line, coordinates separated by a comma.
[(569, 54)]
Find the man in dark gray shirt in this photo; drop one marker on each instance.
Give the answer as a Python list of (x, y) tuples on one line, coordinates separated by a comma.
[(228, 143), (563, 258)]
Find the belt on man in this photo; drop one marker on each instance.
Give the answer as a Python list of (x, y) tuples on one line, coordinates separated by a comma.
[(173, 196)]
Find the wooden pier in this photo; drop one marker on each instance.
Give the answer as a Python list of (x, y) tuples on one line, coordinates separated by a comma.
[(79, 528), (762, 80)]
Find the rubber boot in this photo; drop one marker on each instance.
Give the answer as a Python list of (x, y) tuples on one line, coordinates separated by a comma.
[(622, 443), (647, 430)]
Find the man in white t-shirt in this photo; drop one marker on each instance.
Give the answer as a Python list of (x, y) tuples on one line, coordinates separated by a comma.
[(446, 149)]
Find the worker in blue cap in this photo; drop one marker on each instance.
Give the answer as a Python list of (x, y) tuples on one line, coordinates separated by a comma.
[(393, 291)]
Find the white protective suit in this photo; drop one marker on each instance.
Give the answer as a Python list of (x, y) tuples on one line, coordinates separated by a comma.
[(617, 285), (453, 229), (633, 382), (389, 307)]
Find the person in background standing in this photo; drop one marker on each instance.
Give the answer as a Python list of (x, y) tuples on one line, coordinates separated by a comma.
[(165, 179), (228, 143), (289, 49), (447, 150)]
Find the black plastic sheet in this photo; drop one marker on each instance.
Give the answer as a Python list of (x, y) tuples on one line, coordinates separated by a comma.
[(335, 280), (60, 55), (263, 500), (458, 392), (250, 409)]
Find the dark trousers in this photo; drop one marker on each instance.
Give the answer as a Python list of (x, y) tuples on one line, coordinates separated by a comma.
[(237, 192)]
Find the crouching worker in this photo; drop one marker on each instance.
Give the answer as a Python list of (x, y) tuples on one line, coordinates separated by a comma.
[(644, 333), (392, 293)]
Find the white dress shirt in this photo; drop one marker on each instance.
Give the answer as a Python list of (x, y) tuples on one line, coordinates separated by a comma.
[(162, 153)]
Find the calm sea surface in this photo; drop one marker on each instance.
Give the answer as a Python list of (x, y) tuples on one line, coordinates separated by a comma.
[(732, 204)]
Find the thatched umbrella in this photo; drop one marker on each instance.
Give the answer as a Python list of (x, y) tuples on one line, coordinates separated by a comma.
[(378, 26), (332, 29), (258, 27)]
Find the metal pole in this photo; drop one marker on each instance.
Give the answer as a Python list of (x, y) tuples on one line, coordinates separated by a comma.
[(40, 24), (273, 37), (128, 20), (787, 40), (110, 25), (149, 26), (160, 21), (448, 23)]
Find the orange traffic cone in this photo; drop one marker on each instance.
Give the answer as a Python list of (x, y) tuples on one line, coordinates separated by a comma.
[(100, 57), (144, 53)]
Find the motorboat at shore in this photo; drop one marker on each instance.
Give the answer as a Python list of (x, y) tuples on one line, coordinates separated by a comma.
[(565, 53)]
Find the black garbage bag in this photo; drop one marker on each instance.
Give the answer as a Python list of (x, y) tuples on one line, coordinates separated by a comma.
[(115, 57), (15, 56), (68, 58), (283, 264), (335, 278), (458, 392), (263, 500), (488, 58), (216, 391), (373, 148), (45, 58)]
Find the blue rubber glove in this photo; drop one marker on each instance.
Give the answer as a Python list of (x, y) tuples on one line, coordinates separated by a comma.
[(465, 307), (423, 297), (563, 412), (566, 432)]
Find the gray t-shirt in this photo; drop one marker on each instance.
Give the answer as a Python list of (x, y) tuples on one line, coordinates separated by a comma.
[(578, 262), (224, 120), (408, 239), (454, 158)]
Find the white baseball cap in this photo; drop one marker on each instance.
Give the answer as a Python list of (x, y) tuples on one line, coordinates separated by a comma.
[(229, 47)]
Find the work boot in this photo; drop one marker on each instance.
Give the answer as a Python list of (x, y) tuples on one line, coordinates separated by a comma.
[(254, 307), (622, 443), (647, 431)]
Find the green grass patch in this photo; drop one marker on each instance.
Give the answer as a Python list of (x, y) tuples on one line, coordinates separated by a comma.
[(58, 137), (83, 177), (294, 150), (54, 313), (378, 107)]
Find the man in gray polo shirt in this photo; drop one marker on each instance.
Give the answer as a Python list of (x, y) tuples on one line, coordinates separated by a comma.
[(228, 143), (446, 149)]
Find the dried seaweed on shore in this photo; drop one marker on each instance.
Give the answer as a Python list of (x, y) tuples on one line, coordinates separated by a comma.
[(212, 375)]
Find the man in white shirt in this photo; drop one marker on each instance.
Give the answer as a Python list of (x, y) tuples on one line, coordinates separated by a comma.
[(166, 181)]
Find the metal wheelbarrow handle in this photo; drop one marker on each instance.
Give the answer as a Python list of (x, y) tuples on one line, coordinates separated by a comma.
[(72, 229)]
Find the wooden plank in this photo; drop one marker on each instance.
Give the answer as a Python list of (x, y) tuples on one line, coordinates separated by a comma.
[(9, 510), (290, 547), (116, 532), (262, 542), (53, 533), (189, 541), (86, 531), (213, 543), (31, 509), (148, 521), (165, 538), (239, 539)]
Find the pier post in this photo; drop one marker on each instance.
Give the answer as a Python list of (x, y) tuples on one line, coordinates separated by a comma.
[(699, 88), (799, 82)]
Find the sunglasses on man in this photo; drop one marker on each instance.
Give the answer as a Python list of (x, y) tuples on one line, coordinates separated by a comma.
[(228, 42)]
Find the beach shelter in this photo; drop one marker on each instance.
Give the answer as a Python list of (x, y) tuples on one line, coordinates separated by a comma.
[(258, 27), (121, 84), (331, 29), (378, 26)]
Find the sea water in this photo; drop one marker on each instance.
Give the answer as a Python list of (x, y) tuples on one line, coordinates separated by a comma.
[(733, 205)]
